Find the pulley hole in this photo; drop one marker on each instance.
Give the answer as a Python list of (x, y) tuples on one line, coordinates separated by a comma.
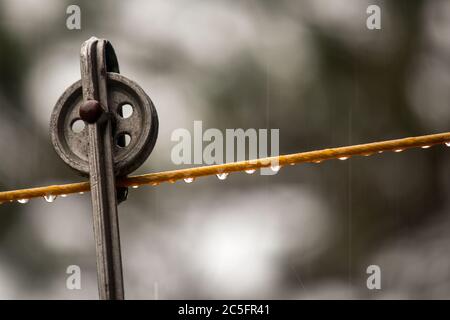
[(78, 125), (125, 110), (123, 140)]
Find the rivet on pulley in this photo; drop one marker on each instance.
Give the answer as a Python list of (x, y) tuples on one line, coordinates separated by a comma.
[(91, 111)]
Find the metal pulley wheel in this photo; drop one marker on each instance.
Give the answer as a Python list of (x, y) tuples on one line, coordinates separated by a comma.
[(134, 130)]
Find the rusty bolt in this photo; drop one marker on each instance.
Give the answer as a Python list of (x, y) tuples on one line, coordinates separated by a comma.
[(90, 111)]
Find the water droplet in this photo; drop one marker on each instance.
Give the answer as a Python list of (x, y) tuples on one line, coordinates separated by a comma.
[(425, 147), (64, 195), (292, 164), (222, 176), (398, 150), (135, 187), (317, 161), (50, 198), (250, 171), (381, 151), (447, 144), (343, 158), (155, 183), (367, 154), (189, 180), (82, 192), (23, 201), (275, 168)]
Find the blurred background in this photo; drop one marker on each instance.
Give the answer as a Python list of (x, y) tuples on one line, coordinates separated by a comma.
[(311, 69)]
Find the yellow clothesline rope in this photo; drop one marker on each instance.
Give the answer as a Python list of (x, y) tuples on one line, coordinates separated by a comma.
[(223, 169)]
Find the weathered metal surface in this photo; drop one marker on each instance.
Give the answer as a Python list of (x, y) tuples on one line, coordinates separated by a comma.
[(91, 133), (101, 173)]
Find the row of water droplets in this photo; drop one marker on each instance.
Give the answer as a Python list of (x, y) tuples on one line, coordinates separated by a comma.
[(276, 168), (49, 198), (221, 176)]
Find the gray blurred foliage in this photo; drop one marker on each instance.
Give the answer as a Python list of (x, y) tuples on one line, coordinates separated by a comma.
[(309, 68)]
